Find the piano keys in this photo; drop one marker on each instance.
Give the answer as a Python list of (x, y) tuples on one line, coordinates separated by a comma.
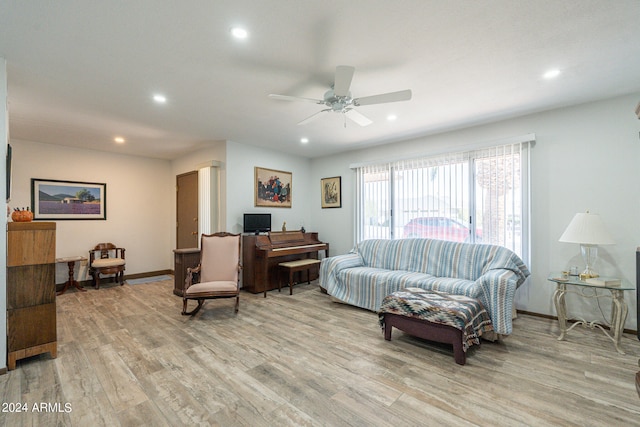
[(262, 254)]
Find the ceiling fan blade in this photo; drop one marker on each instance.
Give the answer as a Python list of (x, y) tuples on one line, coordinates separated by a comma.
[(342, 82), (357, 117), (403, 95), (313, 117), (295, 98)]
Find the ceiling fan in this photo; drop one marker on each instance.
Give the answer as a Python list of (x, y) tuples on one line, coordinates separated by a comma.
[(339, 99)]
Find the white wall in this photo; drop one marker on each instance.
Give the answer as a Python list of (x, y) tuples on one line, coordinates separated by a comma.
[(139, 202), (585, 157), (241, 160), (335, 225), (4, 130)]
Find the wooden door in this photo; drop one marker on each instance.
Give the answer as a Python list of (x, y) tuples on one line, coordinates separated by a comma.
[(187, 210)]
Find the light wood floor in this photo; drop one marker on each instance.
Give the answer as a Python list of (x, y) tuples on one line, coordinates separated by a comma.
[(127, 357)]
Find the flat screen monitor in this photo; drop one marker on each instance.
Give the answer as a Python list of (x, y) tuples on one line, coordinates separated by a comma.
[(257, 222)]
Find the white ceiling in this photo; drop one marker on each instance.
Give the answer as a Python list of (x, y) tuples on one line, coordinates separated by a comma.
[(82, 72)]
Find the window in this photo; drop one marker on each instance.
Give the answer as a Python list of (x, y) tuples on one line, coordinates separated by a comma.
[(475, 196)]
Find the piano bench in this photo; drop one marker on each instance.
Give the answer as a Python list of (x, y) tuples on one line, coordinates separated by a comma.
[(292, 267)]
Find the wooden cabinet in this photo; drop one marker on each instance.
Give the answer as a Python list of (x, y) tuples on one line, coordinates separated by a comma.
[(183, 259), (31, 290)]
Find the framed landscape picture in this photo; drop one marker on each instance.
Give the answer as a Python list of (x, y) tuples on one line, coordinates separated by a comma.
[(60, 200), (273, 188), (331, 192)]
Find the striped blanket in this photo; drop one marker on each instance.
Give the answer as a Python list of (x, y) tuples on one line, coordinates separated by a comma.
[(461, 312)]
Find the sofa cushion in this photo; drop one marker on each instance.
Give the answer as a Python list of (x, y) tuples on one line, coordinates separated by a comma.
[(451, 285), (369, 285), (405, 254)]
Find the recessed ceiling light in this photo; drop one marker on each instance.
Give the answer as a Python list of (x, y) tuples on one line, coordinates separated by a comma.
[(304, 140), (119, 139), (392, 117), (551, 74), (159, 98), (239, 33)]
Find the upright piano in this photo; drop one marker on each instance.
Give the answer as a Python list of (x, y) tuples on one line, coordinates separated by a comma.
[(261, 255)]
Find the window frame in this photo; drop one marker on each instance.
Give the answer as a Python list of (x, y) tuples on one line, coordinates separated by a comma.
[(389, 171)]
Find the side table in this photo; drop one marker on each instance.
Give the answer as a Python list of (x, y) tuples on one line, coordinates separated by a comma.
[(71, 263), (183, 259), (619, 307)]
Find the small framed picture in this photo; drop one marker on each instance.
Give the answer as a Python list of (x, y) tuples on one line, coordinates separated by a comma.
[(331, 192)]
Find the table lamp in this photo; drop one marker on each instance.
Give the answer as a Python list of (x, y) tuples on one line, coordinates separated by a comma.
[(589, 231)]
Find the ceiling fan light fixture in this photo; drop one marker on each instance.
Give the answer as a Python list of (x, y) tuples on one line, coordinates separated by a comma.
[(119, 140), (338, 99), (304, 140)]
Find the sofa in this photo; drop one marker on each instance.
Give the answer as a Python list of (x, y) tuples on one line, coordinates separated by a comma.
[(376, 268)]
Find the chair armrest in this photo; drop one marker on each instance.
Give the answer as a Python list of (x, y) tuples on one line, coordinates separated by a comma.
[(193, 276), (331, 267), (498, 292)]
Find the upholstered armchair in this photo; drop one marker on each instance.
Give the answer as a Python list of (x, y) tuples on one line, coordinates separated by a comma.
[(106, 258), (217, 275)]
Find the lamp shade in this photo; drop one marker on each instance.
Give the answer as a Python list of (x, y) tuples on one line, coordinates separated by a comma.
[(588, 229)]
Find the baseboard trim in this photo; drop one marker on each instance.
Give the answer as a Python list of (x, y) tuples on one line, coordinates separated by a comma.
[(148, 274), (548, 316), (110, 279)]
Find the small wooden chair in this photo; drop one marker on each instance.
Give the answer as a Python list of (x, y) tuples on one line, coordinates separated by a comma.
[(106, 258)]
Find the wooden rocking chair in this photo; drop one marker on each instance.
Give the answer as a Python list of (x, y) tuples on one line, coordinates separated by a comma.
[(217, 275)]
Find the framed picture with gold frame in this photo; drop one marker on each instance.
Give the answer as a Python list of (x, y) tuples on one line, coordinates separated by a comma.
[(331, 192), (272, 188)]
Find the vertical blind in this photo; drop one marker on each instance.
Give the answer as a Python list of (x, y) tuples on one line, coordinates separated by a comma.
[(473, 196), (374, 202)]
